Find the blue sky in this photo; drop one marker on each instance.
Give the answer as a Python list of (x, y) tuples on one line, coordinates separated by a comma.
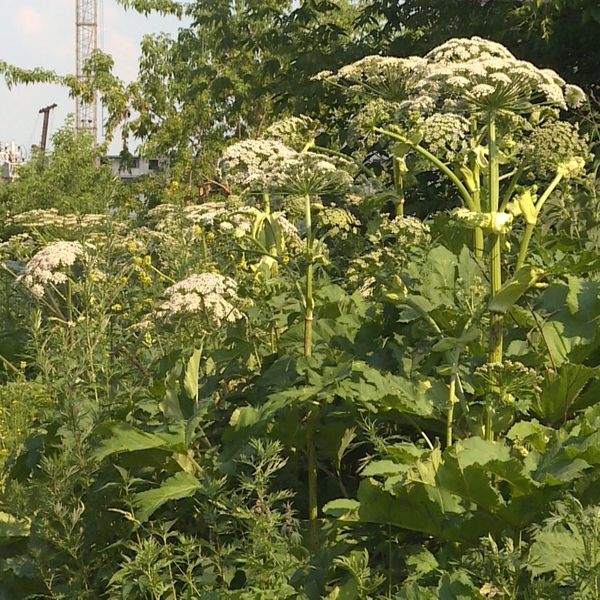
[(41, 33)]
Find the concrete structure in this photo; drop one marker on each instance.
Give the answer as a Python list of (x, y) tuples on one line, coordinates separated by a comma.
[(136, 166)]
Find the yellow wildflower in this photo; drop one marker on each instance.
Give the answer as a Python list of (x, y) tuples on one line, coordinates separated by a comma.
[(22, 365), (116, 307), (138, 261), (148, 259)]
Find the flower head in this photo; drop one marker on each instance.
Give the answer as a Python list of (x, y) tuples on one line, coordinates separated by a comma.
[(270, 165), (205, 294), (49, 266)]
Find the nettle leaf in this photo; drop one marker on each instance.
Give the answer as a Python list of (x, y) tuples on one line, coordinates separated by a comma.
[(181, 485), (561, 391)]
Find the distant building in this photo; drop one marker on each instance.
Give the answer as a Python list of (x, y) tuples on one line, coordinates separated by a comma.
[(11, 156), (134, 166)]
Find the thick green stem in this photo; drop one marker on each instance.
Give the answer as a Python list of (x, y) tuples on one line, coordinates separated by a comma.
[(524, 245), (313, 417), (511, 187), (452, 396), (312, 423), (308, 292), (399, 185), (496, 319), (478, 241), (460, 186)]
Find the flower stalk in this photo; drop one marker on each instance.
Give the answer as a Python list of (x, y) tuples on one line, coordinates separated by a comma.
[(312, 420), (529, 227)]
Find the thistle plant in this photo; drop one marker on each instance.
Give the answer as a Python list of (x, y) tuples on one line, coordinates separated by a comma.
[(497, 108)]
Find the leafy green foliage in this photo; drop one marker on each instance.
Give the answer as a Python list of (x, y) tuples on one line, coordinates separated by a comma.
[(295, 392)]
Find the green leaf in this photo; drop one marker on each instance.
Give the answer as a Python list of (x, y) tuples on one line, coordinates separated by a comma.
[(13, 527), (554, 552), (468, 268), (560, 391), (582, 296), (410, 509), (126, 438), (190, 381), (438, 283), (170, 403), (383, 467), (347, 439), (421, 563), (514, 288), (181, 485), (341, 507)]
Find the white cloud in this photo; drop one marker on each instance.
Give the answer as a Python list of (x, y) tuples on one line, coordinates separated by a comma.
[(30, 23)]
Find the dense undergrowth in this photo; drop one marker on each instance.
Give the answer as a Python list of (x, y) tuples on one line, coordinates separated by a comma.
[(297, 388)]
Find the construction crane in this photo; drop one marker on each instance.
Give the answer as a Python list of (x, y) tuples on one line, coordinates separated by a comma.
[(86, 23)]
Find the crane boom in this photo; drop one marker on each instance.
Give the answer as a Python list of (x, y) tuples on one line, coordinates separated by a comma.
[(86, 22)]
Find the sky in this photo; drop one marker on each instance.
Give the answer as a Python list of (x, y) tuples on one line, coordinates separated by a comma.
[(41, 33)]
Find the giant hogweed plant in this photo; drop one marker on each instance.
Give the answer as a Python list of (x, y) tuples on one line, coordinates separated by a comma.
[(484, 120), (276, 169)]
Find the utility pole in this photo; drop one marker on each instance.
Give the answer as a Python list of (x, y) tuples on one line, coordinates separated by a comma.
[(86, 24), (46, 113)]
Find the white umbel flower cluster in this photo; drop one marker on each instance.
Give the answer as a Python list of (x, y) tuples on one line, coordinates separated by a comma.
[(456, 74), (49, 266), (204, 294), (42, 219), (386, 77), (247, 163), (269, 165), (294, 132)]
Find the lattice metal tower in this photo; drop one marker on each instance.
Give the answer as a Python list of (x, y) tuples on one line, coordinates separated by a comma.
[(86, 22)]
